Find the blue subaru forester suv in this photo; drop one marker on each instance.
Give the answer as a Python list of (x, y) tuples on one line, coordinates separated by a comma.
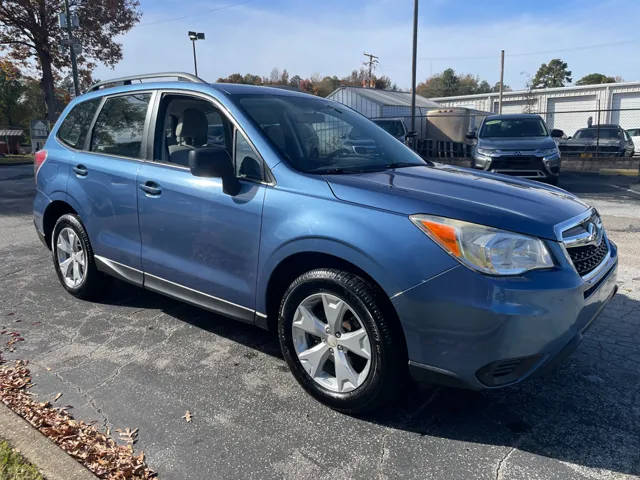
[(369, 263)]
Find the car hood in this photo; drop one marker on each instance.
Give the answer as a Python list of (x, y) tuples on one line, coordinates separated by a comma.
[(480, 197), (523, 143)]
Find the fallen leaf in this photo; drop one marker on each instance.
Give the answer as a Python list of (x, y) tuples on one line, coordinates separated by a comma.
[(187, 416), (57, 397)]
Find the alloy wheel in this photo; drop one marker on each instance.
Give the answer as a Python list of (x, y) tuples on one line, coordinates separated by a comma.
[(72, 258), (331, 342)]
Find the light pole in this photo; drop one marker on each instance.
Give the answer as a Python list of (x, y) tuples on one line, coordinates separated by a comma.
[(193, 36), (413, 72)]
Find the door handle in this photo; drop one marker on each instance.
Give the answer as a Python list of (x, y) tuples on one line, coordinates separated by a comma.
[(81, 170), (151, 188)]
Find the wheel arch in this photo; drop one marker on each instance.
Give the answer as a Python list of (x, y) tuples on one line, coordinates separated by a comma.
[(291, 267), (52, 213)]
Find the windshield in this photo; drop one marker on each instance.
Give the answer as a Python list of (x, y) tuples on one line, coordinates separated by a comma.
[(513, 128), (318, 136), (609, 133), (394, 127)]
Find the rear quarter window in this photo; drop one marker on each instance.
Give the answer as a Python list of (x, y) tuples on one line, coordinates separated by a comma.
[(74, 128), (120, 125)]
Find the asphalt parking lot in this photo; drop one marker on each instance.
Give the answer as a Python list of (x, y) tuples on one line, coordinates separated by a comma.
[(138, 359)]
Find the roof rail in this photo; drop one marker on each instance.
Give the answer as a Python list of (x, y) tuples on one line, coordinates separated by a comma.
[(187, 77)]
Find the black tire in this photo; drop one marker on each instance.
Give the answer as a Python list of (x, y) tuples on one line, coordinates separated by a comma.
[(387, 373), (93, 281)]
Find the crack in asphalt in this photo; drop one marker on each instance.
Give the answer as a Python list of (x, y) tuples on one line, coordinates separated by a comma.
[(384, 454), (135, 358), (90, 400)]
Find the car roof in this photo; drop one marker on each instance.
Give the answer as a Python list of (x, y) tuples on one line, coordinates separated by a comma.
[(512, 115), (603, 125), (243, 89)]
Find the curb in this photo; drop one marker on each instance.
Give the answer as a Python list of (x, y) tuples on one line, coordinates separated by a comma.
[(628, 172), (53, 462)]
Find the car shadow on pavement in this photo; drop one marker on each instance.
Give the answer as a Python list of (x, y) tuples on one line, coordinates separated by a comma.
[(585, 413)]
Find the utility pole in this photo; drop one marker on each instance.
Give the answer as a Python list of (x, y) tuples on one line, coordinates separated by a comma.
[(501, 81), (413, 72), (373, 60), (72, 51), (193, 36)]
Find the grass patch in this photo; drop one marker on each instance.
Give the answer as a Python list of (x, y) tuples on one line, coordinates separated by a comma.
[(14, 159), (14, 466)]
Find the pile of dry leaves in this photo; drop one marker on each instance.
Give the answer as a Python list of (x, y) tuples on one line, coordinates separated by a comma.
[(96, 450)]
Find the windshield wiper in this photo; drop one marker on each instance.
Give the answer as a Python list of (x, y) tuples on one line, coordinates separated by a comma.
[(369, 169), (400, 165), (329, 171)]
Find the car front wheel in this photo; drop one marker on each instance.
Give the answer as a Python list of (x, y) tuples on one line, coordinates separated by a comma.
[(339, 344)]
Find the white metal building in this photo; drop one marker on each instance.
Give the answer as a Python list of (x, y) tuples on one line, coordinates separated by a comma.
[(566, 108)]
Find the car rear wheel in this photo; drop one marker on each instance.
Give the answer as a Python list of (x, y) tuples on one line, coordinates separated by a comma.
[(338, 343), (73, 258)]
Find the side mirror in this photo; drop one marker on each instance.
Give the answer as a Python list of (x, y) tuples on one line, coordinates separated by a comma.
[(215, 162), (555, 133), (472, 135)]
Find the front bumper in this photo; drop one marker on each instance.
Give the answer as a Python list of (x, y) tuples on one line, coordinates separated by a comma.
[(529, 166), (476, 331)]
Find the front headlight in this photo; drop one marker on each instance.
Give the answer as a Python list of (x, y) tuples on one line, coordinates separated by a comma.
[(486, 249), (549, 152), (485, 151)]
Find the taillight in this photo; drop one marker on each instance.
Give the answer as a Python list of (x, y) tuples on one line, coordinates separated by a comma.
[(38, 160)]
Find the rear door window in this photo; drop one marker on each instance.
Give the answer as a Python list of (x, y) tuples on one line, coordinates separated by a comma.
[(74, 128), (120, 126)]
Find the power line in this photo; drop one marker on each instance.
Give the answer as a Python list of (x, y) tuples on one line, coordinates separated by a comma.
[(199, 14), (373, 60), (539, 52)]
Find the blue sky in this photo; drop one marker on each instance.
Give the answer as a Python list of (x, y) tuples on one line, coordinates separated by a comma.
[(328, 37)]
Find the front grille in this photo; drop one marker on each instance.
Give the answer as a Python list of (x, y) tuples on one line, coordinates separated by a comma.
[(588, 257), (516, 162)]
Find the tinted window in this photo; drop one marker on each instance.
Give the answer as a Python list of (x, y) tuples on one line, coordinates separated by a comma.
[(248, 164), (74, 128), (394, 127), (119, 127), (318, 136), (609, 133), (513, 127)]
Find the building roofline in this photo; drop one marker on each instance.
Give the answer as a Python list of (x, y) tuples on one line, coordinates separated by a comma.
[(408, 92), (536, 90)]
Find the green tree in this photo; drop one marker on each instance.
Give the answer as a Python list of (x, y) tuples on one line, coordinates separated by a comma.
[(595, 79), (449, 83), (11, 91), (552, 75), (30, 33)]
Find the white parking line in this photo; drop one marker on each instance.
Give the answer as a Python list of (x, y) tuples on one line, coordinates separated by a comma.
[(624, 189)]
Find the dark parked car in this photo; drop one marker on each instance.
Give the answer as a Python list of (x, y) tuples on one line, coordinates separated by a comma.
[(518, 145), (394, 126), (369, 264), (604, 140)]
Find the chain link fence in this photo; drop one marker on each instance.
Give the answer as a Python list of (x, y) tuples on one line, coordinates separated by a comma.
[(443, 133)]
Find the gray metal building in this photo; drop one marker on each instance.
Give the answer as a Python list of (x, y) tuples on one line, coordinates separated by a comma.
[(374, 103)]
